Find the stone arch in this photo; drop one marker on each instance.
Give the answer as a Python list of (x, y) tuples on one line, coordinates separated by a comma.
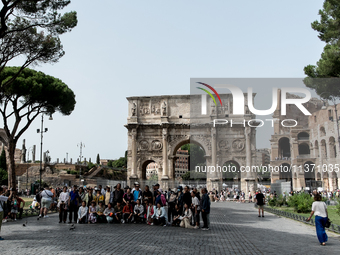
[(334, 180), (303, 136), (284, 147), (144, 165), (304, 149), (174, 146), (316, 149), (309, 173), (332, 147), (318, 176), (177, 144), (233, 170), (285, 172), (322, 131), (323, 148)]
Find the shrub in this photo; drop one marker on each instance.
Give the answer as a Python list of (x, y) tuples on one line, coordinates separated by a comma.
[(68, 172), (302, 203)]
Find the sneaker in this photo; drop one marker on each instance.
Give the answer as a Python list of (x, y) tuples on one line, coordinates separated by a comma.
[(15, 219), (207, 229), (164, 225), (262, 215), (39, 216), (123, 221), (46, 216), (151, 224), (196, 227)]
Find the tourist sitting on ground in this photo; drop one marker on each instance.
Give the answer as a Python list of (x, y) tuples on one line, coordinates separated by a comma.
[(138, 212), (82, 213), (100, 212), (176, 215), (109, 213), (127, 212), (151, 210), (118, 212), (186, 218), (160, 216), (92, 212), (35, 204)]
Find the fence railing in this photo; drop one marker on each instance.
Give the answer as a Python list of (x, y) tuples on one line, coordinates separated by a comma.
[(333, 227)]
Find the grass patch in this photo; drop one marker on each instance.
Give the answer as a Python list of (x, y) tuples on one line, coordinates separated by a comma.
[(332, 213)]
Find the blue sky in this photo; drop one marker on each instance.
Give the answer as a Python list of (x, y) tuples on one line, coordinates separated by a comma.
[(139, 48)]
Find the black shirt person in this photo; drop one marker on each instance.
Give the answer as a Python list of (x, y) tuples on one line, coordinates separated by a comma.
[(260, 200)]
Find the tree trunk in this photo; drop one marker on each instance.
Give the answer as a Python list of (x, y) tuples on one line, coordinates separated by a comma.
[(11, 166)]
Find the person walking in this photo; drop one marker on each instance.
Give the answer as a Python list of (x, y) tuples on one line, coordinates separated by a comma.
[(260, 201), (46, 200), (319, 209)]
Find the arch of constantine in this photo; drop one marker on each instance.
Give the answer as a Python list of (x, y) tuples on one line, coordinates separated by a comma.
[(159, 125)]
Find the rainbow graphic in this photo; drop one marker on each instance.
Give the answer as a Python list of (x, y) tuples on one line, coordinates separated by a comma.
[(209, 93)]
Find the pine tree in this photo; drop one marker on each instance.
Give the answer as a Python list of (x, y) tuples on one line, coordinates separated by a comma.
[(98, 159)]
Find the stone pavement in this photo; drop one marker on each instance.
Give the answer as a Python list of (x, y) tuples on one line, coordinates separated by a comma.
[(235, 229)]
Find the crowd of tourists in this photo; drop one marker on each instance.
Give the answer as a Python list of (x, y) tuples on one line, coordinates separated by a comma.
[(175, 207)]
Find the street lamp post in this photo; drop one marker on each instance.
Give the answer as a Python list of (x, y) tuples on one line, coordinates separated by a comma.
[(42, 131), (81, 145)]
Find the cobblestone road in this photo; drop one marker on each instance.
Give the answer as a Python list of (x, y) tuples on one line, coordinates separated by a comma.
[(235, 229)]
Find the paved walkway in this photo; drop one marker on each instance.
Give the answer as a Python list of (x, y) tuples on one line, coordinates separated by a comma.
[(235, 229)]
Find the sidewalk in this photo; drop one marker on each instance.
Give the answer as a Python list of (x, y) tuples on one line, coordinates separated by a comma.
[(235, 229)]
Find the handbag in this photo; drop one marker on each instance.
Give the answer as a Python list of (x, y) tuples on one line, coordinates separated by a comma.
[(328, 223)]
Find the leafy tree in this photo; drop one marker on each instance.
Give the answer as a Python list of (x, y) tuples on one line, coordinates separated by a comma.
[(3, 163), (196, 154), (109, 163), (98, 159), (32, 93), (121, 162), (30, 30), (329, 64), (3, 177)]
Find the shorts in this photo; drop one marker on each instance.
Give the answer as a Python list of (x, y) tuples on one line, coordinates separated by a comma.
[(260, 206), (45, 203), (14, 211)]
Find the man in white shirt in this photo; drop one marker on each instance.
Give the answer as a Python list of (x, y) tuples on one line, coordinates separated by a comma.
[(3, 200)]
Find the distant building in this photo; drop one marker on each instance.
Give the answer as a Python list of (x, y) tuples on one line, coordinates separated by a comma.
[(309, 152), (182, 163)]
